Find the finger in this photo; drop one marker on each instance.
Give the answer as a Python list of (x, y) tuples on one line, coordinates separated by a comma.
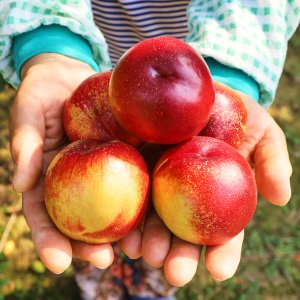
[(27, 132), (53, 247), (182, 261), (101, 256), (222, 261), (131, 244), (272, 166), (156, 241)]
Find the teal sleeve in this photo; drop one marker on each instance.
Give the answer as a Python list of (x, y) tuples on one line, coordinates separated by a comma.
[(51, 38), (234, 78)]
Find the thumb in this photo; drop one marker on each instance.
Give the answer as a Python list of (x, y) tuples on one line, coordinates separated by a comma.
[(27, 134), (272, 166)]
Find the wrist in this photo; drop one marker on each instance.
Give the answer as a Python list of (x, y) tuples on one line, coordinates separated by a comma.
[(51, 39), (234, 78), (55, 65)]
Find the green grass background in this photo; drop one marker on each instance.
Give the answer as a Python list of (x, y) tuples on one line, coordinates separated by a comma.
[(270, 265)]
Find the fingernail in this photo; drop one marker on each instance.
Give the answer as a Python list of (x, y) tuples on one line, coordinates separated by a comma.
[(284, 202), (221, 277), (101, 261), (101, 267), (58, 273)]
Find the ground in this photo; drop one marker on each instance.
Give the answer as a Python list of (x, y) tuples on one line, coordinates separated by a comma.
[(270, 265)]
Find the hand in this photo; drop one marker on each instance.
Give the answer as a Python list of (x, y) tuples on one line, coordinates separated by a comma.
[(36, 136), (266, 150)]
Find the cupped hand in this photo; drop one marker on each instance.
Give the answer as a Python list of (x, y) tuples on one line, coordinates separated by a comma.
[(37, 134), (266, 150)]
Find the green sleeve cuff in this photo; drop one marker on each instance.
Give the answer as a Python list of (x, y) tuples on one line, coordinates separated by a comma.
[(54, 39), (234, 78)]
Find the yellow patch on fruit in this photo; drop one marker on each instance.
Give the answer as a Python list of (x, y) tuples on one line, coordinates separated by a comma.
[(173, 208), (93, 201), (78, 117)]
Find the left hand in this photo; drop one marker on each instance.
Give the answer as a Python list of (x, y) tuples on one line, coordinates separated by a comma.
[(266, 150)]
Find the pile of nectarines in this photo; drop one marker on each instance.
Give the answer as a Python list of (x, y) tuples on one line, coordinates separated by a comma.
[(160, 98)]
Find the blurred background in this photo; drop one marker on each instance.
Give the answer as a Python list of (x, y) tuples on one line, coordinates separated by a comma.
[(270, 265)]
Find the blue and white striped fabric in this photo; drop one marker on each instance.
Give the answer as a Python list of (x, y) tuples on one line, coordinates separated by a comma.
[(126, 22)]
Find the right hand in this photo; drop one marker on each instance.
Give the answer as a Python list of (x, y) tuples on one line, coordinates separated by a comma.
[(37, 134), (266, 150)]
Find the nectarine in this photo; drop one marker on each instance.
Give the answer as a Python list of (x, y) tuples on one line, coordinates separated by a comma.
[(96, 192), (228, 120), (161, 91), (88, 115), (204, 191)]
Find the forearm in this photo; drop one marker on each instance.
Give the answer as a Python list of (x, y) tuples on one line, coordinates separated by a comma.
[(22, 17), (250, 36)]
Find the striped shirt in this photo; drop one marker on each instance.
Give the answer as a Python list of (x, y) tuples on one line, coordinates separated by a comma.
[(126, 22)]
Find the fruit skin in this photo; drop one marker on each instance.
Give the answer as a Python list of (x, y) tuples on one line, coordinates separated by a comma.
[(97, 192), (161, 91), (87, 113), (204, 191), (228, 120)]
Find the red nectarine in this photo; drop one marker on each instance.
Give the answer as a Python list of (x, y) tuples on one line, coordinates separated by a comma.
[(228, 119), (88, 115), (161, 91), (204, 191), (97, 192)]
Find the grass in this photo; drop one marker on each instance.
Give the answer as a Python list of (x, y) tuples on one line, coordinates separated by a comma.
[(270, 265)]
